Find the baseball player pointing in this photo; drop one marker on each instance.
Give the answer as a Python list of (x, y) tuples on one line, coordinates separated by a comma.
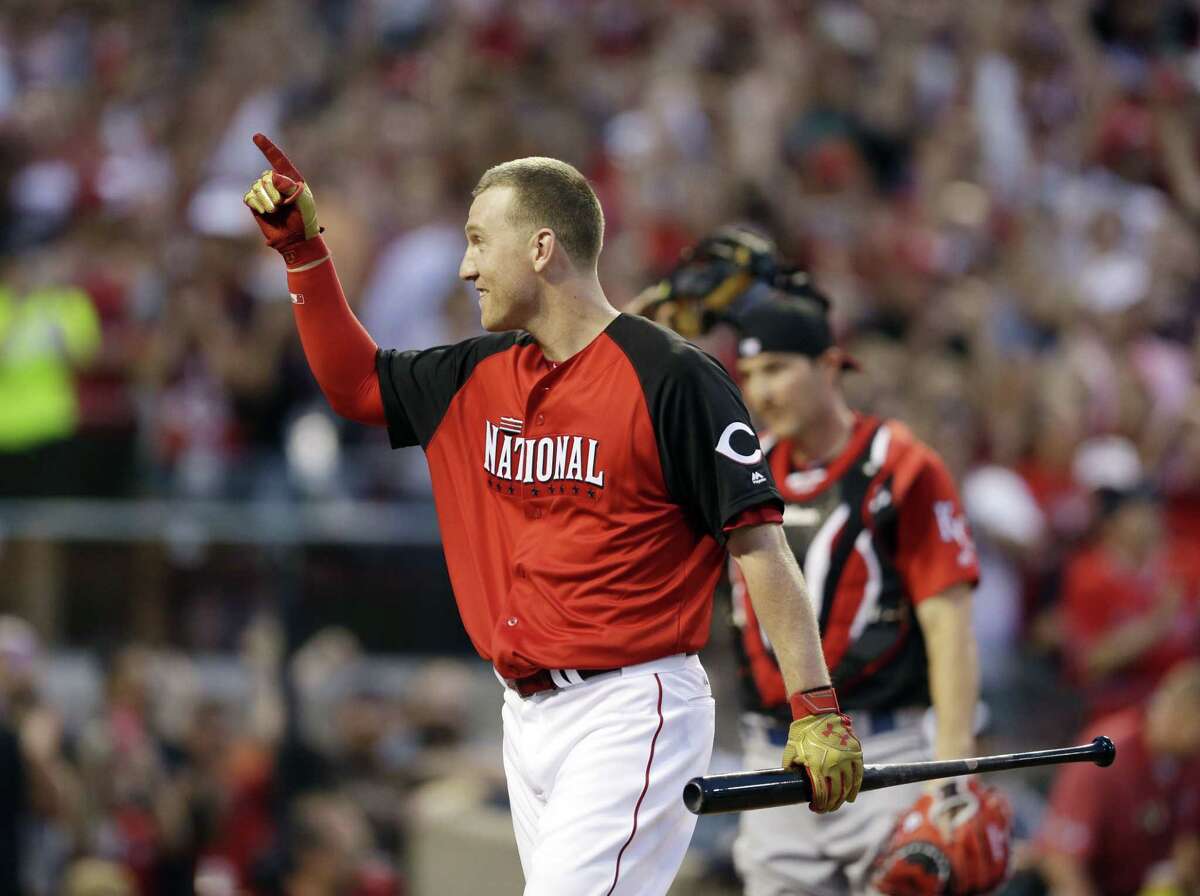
[(590, 471)]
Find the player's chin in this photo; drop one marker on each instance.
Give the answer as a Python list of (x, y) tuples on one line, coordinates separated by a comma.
[(495, 320), (779, 425)]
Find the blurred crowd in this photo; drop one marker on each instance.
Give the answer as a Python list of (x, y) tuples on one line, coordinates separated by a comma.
[(171, 779), (1002, 199)]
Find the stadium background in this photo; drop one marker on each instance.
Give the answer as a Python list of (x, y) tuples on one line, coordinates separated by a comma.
[(229, 646)]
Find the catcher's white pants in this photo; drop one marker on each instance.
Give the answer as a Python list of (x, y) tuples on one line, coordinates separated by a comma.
[(790, 851), (596, 773)]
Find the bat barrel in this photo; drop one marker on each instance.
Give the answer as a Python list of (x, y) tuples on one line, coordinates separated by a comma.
[(746, 790), (775, 787)]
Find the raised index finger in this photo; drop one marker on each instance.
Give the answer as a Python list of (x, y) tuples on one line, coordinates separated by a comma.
[(279, 162)]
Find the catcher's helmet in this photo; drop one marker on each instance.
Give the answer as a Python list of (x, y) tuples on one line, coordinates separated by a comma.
[(718, 278)]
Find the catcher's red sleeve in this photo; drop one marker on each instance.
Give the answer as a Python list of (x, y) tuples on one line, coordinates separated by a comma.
[(934, 549), (340, 352)]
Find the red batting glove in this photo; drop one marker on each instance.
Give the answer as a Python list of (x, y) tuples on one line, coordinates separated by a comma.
[(284, 208)]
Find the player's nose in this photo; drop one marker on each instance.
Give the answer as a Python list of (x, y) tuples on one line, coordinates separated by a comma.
[(466, 268), (753, 390)]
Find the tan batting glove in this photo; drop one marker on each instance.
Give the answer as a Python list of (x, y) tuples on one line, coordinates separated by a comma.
[(822, 742)]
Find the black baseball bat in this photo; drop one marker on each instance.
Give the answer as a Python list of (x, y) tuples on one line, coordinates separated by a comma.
[(740, 791)]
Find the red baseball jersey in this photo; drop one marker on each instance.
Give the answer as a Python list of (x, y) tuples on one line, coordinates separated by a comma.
[(581, 504), (876, 530), (1122, 820)]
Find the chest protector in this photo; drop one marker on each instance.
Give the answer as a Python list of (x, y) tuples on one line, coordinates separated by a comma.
[(844, 538)]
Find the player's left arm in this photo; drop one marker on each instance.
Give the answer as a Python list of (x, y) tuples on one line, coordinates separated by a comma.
[(820, 738), (715, 468), (780, 597), (945, 620)]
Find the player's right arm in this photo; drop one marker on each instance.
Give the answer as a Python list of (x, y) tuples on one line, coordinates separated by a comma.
[(340, 352)]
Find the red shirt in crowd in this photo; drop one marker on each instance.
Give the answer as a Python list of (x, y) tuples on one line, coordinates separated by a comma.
[(1100, 596), (1121, 820), (1181, 518)]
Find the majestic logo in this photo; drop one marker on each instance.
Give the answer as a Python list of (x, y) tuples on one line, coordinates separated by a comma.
[(725, 446), (506, 455), (297, 298)]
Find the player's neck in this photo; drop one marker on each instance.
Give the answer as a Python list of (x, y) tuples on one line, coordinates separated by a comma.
[(570, 316), (826, 436)]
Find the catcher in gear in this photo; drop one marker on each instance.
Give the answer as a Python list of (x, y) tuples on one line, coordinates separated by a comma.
[(873, 517)]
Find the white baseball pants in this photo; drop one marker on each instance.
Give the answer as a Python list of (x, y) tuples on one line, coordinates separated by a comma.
[(596, 774)]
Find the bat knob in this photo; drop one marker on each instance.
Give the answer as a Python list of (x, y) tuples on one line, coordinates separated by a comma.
[(1106, 751), (693, 796)]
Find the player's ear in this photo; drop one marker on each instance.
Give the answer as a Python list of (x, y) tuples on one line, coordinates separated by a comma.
[(831, 362), (542, 248)]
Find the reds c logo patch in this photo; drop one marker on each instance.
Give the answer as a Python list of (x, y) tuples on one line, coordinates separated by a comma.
[(726, 449)]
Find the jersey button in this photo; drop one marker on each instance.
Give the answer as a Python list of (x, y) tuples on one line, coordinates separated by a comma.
[(540, 419), (512, 620)]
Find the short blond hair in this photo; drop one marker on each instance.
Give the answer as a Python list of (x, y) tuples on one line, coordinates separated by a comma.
[(553, 194)]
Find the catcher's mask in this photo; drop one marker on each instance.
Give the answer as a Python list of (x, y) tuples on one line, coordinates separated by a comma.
[(721, 276)]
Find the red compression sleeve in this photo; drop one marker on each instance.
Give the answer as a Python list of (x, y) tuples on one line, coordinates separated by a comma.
[(339, 351)]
